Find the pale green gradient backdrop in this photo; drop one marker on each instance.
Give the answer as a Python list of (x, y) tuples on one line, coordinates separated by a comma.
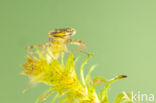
[(121, 32)]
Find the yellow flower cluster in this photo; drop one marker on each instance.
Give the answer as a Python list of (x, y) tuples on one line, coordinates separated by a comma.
[(64, 81)]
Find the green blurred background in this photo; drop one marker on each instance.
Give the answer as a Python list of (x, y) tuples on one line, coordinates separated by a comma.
[(121, 32)]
